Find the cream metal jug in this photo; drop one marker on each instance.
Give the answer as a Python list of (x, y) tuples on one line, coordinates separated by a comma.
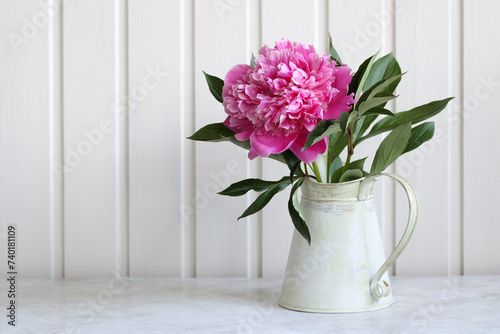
[(344, 269)]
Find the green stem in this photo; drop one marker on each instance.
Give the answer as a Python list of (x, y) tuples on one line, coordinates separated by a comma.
[(347, 161), (316, 172), (327, 164), (350, 150)]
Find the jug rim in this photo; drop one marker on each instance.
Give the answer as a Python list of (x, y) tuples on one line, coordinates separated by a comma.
[(338, 184), (345, 191)]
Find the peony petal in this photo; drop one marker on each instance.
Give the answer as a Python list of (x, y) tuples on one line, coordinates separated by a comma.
[(236, 73), (279, 102), (238, 125), (227, 122), (244, 135), (252, 154), (338, 106), (343, 77), (311, 154), (267, 143)]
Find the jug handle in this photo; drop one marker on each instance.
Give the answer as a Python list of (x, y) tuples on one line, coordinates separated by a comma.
[(379, 288)]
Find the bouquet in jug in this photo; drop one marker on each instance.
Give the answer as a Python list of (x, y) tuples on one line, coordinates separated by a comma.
[(305, 109)]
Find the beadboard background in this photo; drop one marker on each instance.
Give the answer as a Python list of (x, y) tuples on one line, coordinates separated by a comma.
[(97, 97)]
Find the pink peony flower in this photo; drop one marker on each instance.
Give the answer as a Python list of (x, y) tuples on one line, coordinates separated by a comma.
[(279, 102)]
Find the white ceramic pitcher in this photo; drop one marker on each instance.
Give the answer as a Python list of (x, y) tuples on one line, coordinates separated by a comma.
[(344, 269)]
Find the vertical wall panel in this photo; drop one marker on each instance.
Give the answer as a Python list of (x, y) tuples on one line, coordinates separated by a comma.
[(187, 147), (121, 138), (56, 150), (254, 167), (220, 239), (89, 132), (154, 138), (424, 53), (454, 117), (481, 140), (296, 25), (24, 135)]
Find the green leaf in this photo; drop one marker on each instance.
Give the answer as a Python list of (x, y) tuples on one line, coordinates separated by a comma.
[(242, 187), (351, 174), (295, 170), (383, 68), (391, 148), (287, 157), (277, 157), (379, 111), (378, 99), (322, 130), (336, 176), (296, 212), (369, 107), (353, 118), (252, 61), (373, 97), (337, 143), (362, 125), (215, 85), (415, 115), (344, 117), (358, 164), (334, 166), (291, 160), (243, 144), (213, 132), (379, 87), (359, 78), (364, 122), (419, 135), (334, 52), (218, 132), (263, 199)]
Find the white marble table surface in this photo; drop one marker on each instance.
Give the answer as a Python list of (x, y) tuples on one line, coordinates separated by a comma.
[(469, 304)]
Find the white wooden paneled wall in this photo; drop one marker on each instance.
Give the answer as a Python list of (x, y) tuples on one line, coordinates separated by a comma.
[(97, 97)]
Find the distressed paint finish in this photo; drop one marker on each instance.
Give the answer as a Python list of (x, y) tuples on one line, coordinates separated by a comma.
[(344, 268)]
